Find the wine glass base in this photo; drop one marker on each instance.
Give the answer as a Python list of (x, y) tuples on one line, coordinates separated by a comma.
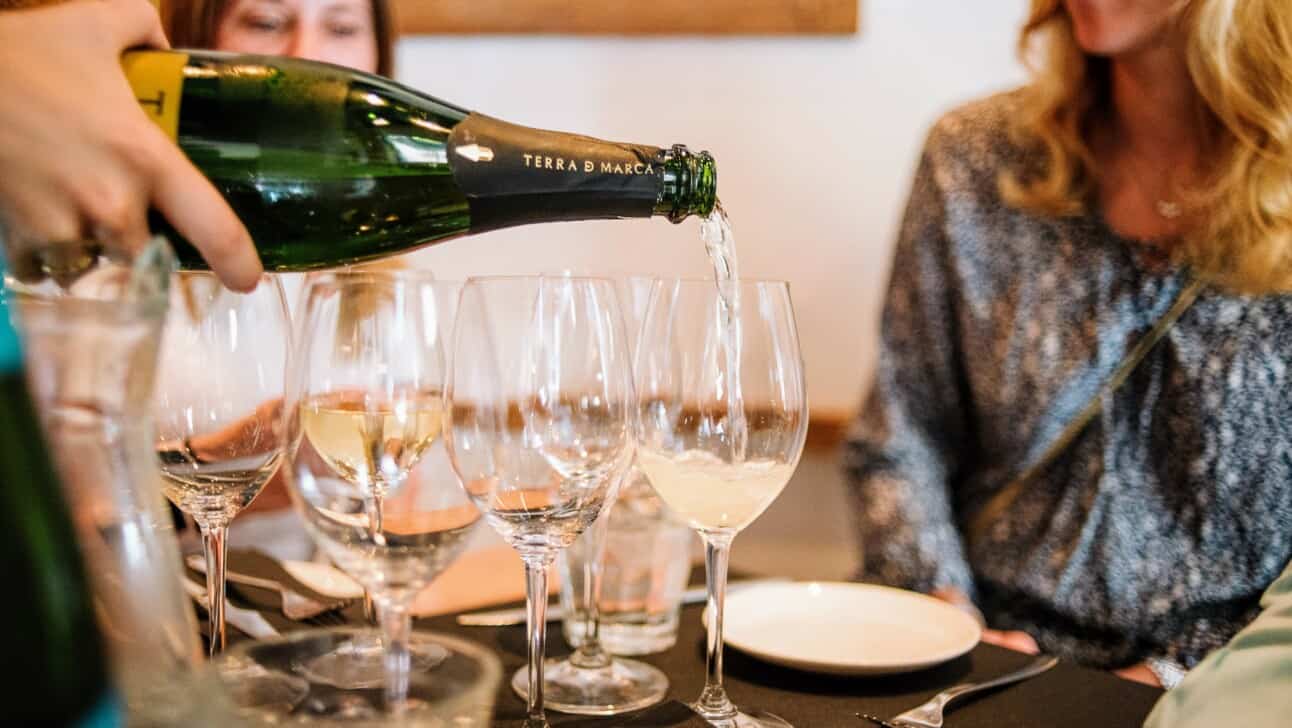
[(751, 719), (361, 662), (621, 687), (460, 692), (253, 685)]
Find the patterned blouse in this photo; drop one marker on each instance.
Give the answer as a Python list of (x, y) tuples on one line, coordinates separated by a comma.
[(1153, 535)]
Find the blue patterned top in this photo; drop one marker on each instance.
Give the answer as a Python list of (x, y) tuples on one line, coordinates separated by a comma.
[(1154, 534)]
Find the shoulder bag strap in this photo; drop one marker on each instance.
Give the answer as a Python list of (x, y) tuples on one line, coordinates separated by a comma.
[(1005, 497)]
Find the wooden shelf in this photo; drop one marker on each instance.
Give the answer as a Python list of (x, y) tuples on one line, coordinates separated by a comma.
[(627, 17)]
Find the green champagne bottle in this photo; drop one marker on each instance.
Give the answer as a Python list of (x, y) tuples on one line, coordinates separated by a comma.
[(58, 670), (327, 166)]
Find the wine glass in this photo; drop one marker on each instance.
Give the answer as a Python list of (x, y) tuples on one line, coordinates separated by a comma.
[(217, 409), (591, 681), (365, 404), (218, 434), (540, 429), (722, 421)]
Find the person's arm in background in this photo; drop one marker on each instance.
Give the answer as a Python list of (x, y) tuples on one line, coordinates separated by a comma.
[(79, 158), (1248, 682)]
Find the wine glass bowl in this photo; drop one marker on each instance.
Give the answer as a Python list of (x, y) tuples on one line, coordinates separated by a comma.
[(539, 425)]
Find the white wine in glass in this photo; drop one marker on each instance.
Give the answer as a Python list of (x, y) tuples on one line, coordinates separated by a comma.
[(364, 436), (712, 494)]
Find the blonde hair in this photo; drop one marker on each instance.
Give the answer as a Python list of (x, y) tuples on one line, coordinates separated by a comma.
[(1239, 55)]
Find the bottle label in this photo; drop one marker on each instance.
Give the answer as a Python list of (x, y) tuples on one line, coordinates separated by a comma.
[(157, 78), (10, 349), (513, 175)]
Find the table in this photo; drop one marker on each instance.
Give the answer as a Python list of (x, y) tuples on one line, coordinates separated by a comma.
[(1067, 696)]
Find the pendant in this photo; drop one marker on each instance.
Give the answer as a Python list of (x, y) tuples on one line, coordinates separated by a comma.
[(1169, 210)]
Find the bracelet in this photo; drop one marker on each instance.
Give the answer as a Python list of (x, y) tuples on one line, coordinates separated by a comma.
[(1167, 672)]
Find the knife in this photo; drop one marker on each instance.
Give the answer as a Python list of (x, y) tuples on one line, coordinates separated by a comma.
[(555, 612), (250, 622)]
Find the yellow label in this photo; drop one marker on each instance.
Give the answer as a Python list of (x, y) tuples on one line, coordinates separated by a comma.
[(157, 78)]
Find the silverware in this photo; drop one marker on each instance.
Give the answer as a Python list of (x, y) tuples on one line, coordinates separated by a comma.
[(295, 606), (929, 715), (555, 612), (250, 622)]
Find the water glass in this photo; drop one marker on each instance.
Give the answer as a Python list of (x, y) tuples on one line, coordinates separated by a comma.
[(645, 566), (93, 350)]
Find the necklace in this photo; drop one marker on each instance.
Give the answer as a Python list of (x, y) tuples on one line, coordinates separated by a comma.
[(1166, 208), (1169, 209)]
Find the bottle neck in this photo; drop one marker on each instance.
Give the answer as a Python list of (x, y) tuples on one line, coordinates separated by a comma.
[(514, 175), (690, 184)]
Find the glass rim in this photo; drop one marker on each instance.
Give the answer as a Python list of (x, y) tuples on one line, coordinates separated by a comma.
[(109, 310), (415, 274), (712, 281), (535, 277)]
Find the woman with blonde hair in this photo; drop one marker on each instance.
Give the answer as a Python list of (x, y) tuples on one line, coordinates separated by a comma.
[(1079, 426)]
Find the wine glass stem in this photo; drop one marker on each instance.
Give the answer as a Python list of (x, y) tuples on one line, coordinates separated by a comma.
[(536, 631), (376, 528), (396, 627), (714, 703), (590, 654), (215, 546)]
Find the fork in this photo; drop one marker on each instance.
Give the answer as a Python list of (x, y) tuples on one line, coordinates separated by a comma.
[(929, 715), (295, 606)]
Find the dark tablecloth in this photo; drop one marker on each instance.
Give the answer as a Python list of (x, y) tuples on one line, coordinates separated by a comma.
[(1067, 696)]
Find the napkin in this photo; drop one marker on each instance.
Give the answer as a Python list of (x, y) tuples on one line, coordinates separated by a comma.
[(485, 577), (481, 578)]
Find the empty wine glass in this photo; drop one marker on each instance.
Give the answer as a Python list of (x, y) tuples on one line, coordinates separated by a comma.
[(365, 404), (539, 430), (722, 421), (591, 681)]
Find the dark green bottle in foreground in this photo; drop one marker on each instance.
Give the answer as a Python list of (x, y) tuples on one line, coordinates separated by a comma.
[(57, 671), (328, 166)]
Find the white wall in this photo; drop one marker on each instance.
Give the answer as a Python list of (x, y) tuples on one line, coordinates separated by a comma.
[(815, 140)]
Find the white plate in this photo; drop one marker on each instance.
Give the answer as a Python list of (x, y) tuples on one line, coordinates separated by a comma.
[(847, 629)]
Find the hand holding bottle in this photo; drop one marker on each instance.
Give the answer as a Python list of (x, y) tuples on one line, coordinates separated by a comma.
[(79, 158)]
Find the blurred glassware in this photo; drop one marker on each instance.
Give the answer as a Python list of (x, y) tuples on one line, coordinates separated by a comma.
[(637, 559), (92, 349), (645, 564), (459, 693)]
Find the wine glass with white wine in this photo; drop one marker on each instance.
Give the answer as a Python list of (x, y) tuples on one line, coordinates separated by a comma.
[(540, 426), (364, 405), (219, 441), (722, 421)]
